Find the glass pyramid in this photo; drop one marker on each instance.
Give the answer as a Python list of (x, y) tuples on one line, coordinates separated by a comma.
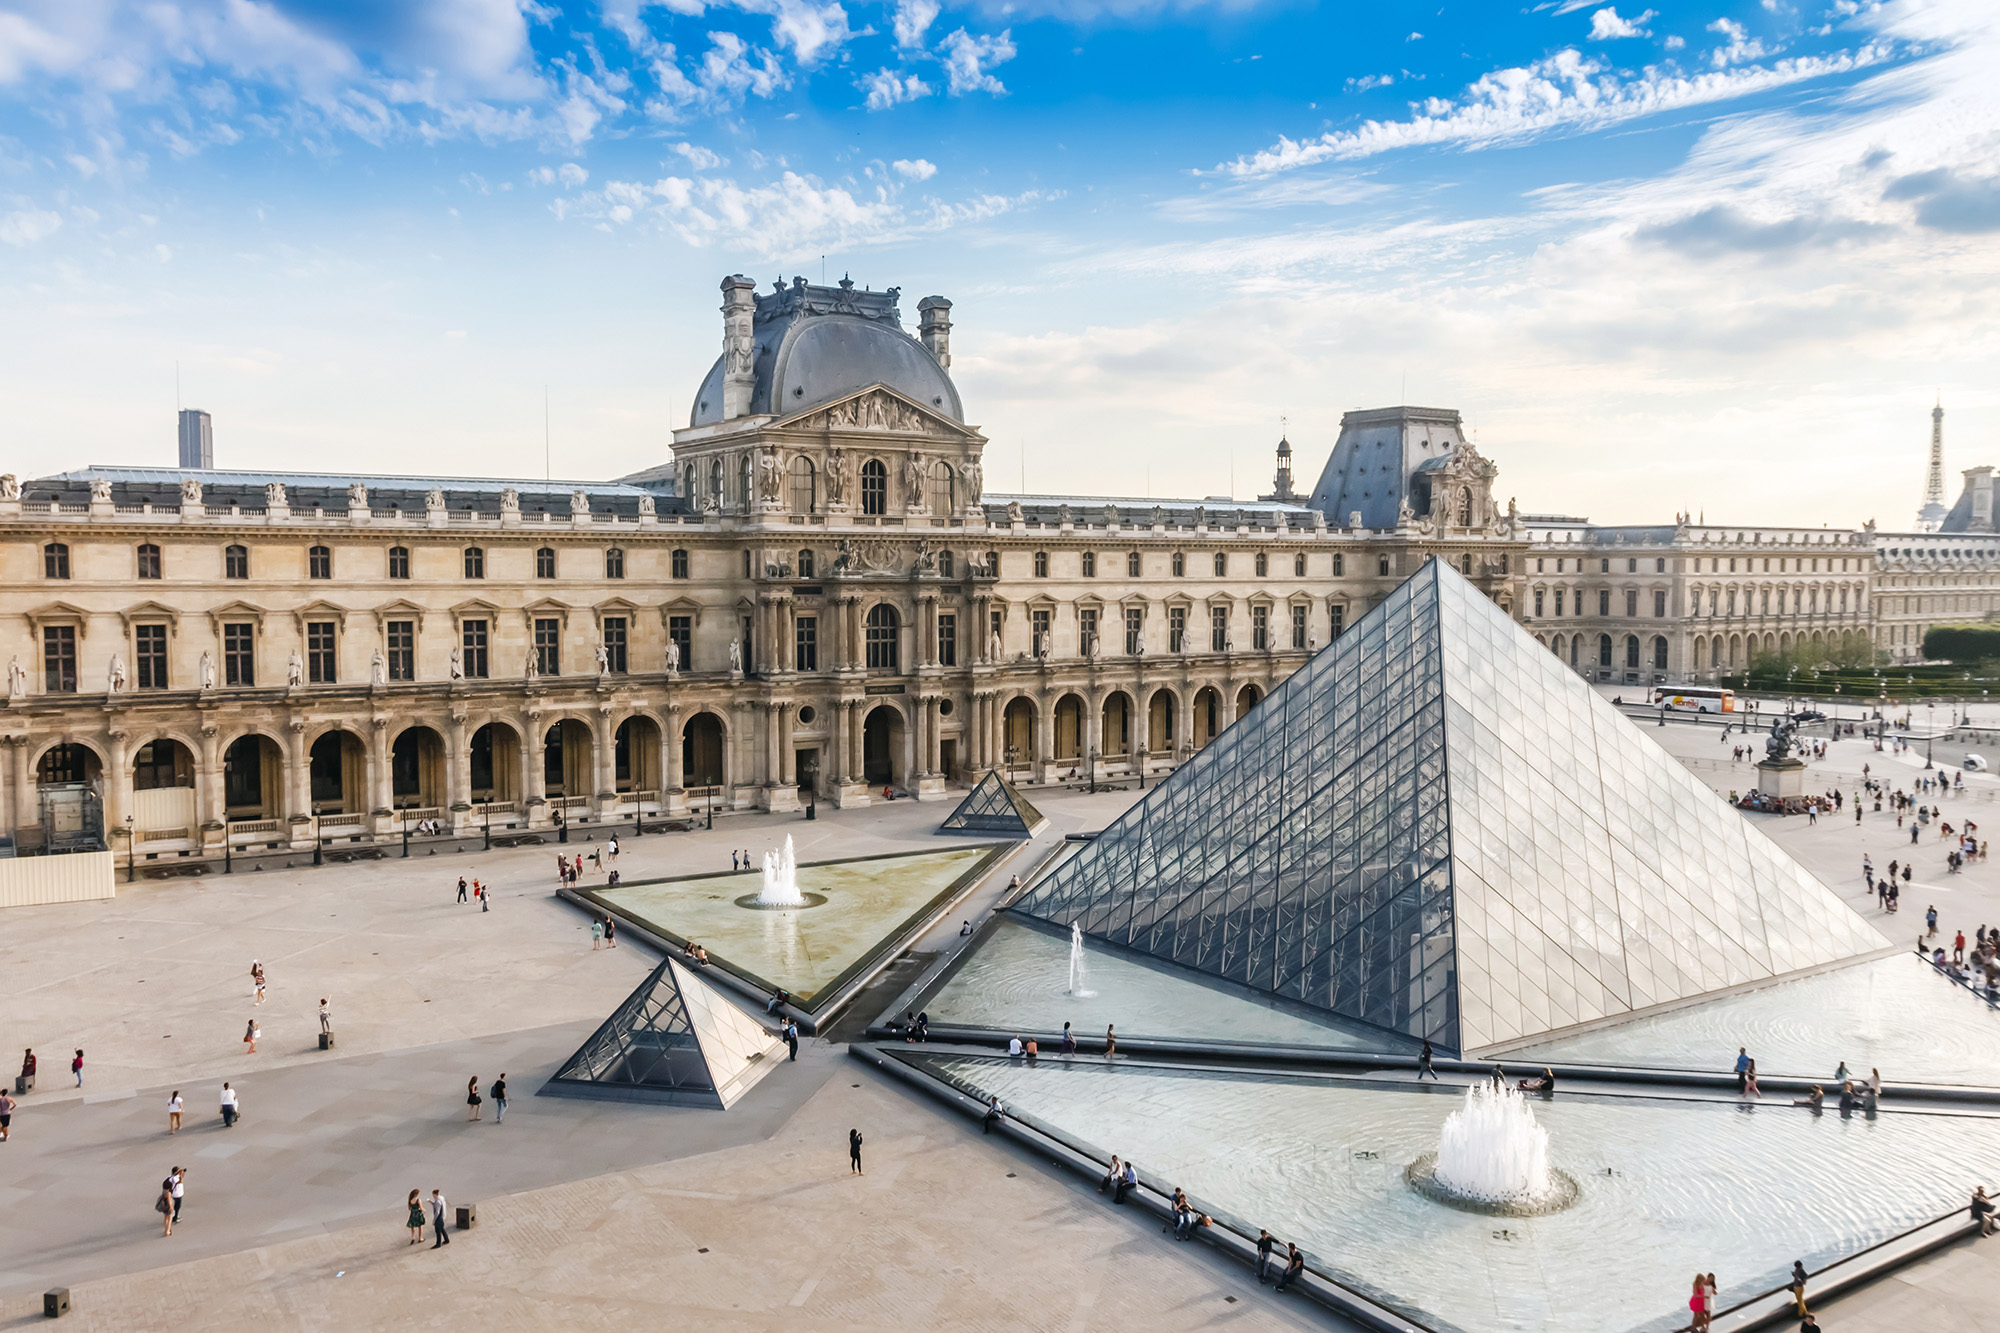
[(1436, 828), (994, 806), (673, 1040)]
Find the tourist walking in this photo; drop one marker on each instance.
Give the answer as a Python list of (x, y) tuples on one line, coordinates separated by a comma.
[(1698, 1310), (461, 884), (76, 1066), (485, 897), (498, 1091), (415, 1221), (174, 1109), (1266, 1242), (596, 936), (177, 1187), (250, 1035), (1424, 1063), (437, 1219), (257, 979), (1750, 1080), (1982, 1210), (854, 1152), (1295, 1264), (1068, 1047), (1799, 1287), (6, 1116), (792, 1040), (472, 1098), (611, 927), (231, 1107), (28, 1070)]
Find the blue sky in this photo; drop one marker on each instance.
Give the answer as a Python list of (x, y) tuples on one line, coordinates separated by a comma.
[(1717, 257)]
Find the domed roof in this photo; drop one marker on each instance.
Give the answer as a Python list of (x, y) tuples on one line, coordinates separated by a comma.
[(817, 345)]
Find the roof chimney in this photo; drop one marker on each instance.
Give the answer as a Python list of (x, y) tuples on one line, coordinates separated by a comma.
[(934, 327), (739, 348)]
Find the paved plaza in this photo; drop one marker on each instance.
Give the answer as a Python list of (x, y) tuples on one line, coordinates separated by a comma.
[(606, 1214)]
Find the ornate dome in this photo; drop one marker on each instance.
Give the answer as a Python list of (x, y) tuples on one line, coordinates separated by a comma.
[(815, 345)]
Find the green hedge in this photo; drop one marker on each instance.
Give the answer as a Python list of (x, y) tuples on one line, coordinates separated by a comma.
[(1963, 643)]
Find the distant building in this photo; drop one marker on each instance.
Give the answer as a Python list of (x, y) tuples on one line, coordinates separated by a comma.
[(197, 440)]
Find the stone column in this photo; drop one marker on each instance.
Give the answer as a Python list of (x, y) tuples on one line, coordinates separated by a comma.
[(532, 784), (117, 787), (1045, 736), (208, 790), (934, 726), (457, 771), (787, 757), (382, 784), (856, 652), (605, 755), (298, 784), (772, 710), (27, 814), (857, 753)]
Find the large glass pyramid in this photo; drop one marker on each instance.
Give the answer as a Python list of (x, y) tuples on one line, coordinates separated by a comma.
[(1437, 828), (673, 1040), (994, 806)]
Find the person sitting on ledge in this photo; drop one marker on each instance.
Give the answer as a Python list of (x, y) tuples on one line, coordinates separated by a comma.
[(1111, 1176), (1813, 1101), (779, 999), (1014, 1048), (1850, 1102), (1982, 1211), (1546, 1084)]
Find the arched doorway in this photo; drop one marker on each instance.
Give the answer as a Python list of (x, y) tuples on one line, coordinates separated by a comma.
[(701, 751), (1248, 698), (636, 756), (1017, 732), (1160, 722), (1116, 726), (882, 747), (494, 761), (567, 756), (163, 792), (338, 765), (416, 770), (1207, 715), (69, 791), (1069, 729), (253, 778)]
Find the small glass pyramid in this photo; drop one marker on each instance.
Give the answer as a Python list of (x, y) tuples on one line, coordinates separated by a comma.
[(673, 1040), (994, 806), (1436, 828)]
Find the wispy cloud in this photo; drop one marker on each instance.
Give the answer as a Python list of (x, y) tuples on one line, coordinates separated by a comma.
[(967, 60), (1606, 25), (889, 87)]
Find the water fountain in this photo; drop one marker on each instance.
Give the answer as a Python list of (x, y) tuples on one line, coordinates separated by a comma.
[(1079, 967), (781, 879), (1493, 1158)]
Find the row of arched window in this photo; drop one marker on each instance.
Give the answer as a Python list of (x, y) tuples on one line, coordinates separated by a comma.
[(1574, 647)]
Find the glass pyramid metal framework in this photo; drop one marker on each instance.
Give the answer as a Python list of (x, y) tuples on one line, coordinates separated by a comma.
[(1436, 828), (673, 1040), (994, 806)]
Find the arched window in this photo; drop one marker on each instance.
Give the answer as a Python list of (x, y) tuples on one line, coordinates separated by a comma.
[(319, 562), (805, 564), (1604, 650), (236, 562), (475, 563), (1180, 564), (679, 564), (1465, 507), (1263, 565), (55, 561), (715, 480), (944, 491), (1299, 566), (399, 562), (883, 626), (149, 561), (1221, 564), (614, 563), (874, 487), (1131, 564), (545, 562), (1041, 565), (744, 493), (1659, 653), (1631, 650), (805, 494)]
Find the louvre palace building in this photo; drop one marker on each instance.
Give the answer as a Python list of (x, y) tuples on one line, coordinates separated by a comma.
[(816, 599)]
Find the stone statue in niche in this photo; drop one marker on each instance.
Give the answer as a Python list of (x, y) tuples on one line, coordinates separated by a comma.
[(378, 669), (208, 670), (835, 473), (673, 658), (532, 669), (735, 657), (115, 676), (913, 479), (603, 659), (457, 669), (993, 649), (295, 669), (974, 481), (17, 678), (770, 475)]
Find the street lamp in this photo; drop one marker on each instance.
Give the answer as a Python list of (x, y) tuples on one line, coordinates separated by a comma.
[(811, 776), (711, 806), (1091, 761), (131, 848), (406, 833), (1930, 733), (486, 808)]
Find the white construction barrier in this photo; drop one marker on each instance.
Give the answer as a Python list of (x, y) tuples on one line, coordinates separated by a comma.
[(30, 881)]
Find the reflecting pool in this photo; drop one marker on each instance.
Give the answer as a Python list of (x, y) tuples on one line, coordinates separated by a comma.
[(1666, 1188), (1019, 979), (1895, 1014), (808, 950)]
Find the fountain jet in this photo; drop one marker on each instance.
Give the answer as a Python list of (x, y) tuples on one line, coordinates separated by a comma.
[(781, 879), (1079, 967)]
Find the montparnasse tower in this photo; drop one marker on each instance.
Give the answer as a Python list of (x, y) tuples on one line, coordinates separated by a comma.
[(1931, 517)]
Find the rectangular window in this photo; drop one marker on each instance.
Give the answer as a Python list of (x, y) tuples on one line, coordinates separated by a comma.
[(614, 644), (1632, 602), (1176, 629), (947, 654), (1090, 564), (149, 561), (1041, 564), (805, 643), (475, 563), (680, 564), (239, 654), (548, 646), (1659, 605), (1260, 627), (1538, 603), (399, 562), (749, 636), (1339, 565), (1559, 603), (472, 637), (59, 659), (236, 562), (545, 562), (321, 652), (319, 562), (400, 644), (1299, 625), (1336, 619), (680, 629), (55, 561), (614, 564), (1604, 601), (1298, 566), (1180, 564), (1041, 623), (1135, 622), (1221, 564), (1263, 564), (1382, 566), (1218, 628), (149, 653), (1086, 625)]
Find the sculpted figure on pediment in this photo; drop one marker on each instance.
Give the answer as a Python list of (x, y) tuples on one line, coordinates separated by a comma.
[(510, 501), (357, 496), (274, 496), (579, 503), (190, 491), (10, 486), (434, 498), (100, 491)]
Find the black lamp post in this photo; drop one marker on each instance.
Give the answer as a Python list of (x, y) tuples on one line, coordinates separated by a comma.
[(406, 833), (1930, 731), (131, 849), (1091, 761), (811, 776), (486, 825), (711, 807)]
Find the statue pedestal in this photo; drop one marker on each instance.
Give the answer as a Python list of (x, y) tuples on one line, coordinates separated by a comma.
[(1781, 778)]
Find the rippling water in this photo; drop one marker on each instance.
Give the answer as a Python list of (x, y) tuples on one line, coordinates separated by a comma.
[(1019, 978), (1895, 1014), (1740, 1192)]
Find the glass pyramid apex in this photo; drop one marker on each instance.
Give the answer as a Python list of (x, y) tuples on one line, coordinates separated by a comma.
[(994, 806), (1436, 828), (674, 1039)]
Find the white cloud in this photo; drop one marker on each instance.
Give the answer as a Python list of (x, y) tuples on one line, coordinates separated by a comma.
[(1414, 37), (162, 253), (812, 31), (913, 19), (730, 71), (1742, 47), (1567, 91), (916, 170), (28, 225), (1674, 43), (967, 58), (887, 87), (1368, 81), (1605, 25), (699, 158)]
